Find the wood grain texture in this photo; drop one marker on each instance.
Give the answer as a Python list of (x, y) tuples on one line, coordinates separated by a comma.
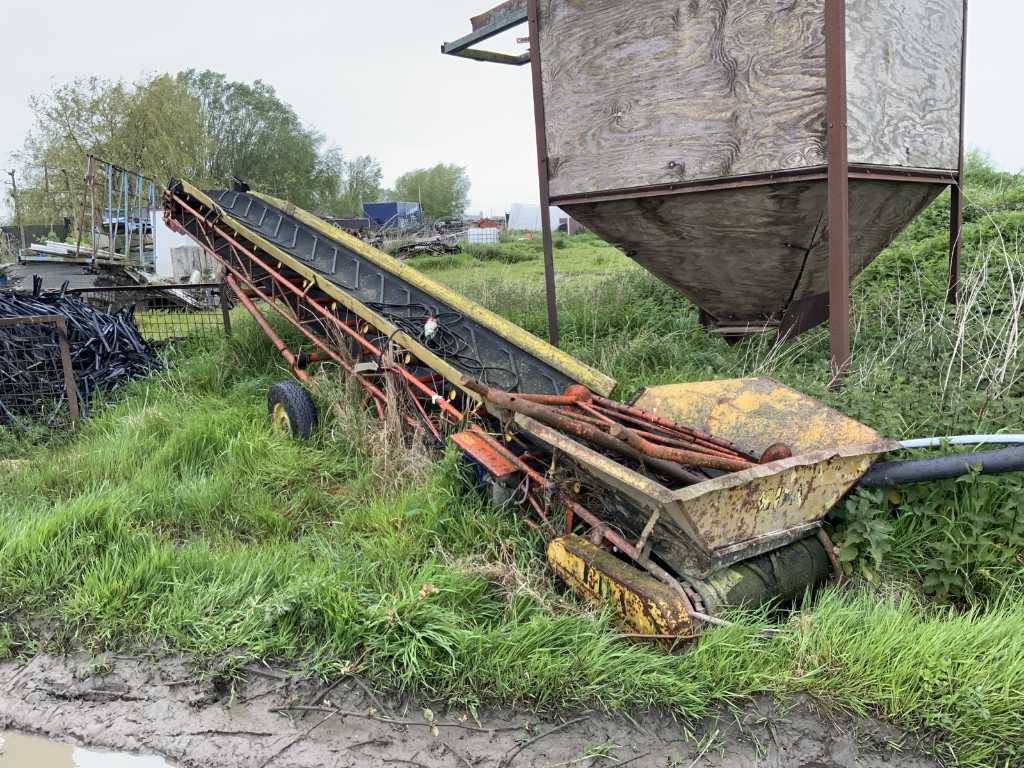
[(904, 68), (879, 211), (746, 254), (734, 253), (644, 93), (510, 6)]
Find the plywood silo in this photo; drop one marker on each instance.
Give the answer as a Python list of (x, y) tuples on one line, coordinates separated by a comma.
[(754, 154)]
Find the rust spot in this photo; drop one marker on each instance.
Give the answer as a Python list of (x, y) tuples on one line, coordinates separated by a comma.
[(579, 393), (775, 452)]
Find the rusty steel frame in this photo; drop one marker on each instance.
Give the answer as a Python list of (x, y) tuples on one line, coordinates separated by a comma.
[(837, 172), (861, 171), (956, 210), (543, 173), (341, 337), (487, 25), (838, 189)]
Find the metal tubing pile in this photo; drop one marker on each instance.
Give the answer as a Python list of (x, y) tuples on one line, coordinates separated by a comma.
[(32, 382), (105, 349), (674, 451)]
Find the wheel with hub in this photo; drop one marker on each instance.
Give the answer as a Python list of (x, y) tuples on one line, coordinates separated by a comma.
[(292, 410)]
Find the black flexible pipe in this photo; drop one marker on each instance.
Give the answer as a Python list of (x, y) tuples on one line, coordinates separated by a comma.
[(892, 473)]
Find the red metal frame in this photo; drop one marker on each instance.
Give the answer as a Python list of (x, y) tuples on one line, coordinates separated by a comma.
[(341, 337), (439, 407)]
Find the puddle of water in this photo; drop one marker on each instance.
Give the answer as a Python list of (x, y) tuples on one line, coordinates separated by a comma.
[(20, 751)]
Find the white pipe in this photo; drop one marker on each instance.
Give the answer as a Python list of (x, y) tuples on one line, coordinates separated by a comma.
[(938, 442)]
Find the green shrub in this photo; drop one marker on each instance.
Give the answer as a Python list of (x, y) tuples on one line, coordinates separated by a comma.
[(963, 538), (507, 253)]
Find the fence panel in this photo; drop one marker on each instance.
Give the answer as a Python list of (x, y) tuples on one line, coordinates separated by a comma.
[(36, 379), (167, 313)]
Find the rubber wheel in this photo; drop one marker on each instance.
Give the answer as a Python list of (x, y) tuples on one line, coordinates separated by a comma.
[(292, 410)]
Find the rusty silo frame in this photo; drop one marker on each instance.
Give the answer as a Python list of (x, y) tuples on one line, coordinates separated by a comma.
[(540, 119), (838, 157), (838, 171)]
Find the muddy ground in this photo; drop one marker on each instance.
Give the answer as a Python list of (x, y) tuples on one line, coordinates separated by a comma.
[(196, 720)]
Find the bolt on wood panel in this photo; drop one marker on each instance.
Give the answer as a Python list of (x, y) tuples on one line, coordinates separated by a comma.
[(904, 82), (663, 91)]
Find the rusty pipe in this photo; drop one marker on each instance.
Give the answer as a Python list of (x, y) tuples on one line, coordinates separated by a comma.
[(276, 340), (669, 424), (676, 441), (232, 282), (678, 455), (588, 432), (595, 433), (675, 435), (588, 414), (553, 400), (574, 395)]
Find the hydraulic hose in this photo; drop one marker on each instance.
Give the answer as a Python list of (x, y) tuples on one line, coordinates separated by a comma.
[(938, 442), (889, 474)]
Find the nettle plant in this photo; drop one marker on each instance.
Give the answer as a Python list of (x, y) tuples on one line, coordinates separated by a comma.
[(964, 537), (864, 530)]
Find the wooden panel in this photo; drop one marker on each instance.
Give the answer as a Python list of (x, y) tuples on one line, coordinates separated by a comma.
[(506, 8), (879, 211), (904, 68), (745, 254), (734, 253), (644, 93)]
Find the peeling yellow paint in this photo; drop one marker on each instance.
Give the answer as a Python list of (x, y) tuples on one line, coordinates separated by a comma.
[(758, 413), (509, 331), (638, 600)]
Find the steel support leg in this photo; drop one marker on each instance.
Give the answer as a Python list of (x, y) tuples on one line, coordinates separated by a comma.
[(956, 223), (542, 171), (838, 189)]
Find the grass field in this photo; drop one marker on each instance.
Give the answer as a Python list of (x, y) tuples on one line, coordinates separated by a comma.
[(176, 519)]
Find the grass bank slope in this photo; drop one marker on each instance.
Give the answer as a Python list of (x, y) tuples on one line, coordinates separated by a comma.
[(176, 519)]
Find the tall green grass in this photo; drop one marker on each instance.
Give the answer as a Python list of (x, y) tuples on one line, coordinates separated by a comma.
[(175, 519)]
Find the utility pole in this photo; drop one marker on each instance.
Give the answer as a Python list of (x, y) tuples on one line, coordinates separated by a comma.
[(70, 201), (17, 210)]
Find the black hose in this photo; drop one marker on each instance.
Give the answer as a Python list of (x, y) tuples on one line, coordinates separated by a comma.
[(889, 474)]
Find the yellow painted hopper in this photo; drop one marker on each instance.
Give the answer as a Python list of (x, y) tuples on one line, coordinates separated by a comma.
[(748, 536)]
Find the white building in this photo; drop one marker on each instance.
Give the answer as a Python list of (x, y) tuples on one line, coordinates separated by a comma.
[(527, 216)]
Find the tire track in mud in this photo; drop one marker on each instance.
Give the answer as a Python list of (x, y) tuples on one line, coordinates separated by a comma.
[(169, 707)]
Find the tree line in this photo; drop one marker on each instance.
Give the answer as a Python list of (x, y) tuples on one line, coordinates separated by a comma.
[(205, 128)]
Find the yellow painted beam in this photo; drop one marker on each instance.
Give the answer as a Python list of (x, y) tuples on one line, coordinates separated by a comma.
[(639, 601), (325, 285), (507, 330)]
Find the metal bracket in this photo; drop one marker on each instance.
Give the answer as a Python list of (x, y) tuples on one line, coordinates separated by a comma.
[(490, 24), (641, 543)]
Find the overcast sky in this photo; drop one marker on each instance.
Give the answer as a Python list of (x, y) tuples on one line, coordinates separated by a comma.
[(370, 75)]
